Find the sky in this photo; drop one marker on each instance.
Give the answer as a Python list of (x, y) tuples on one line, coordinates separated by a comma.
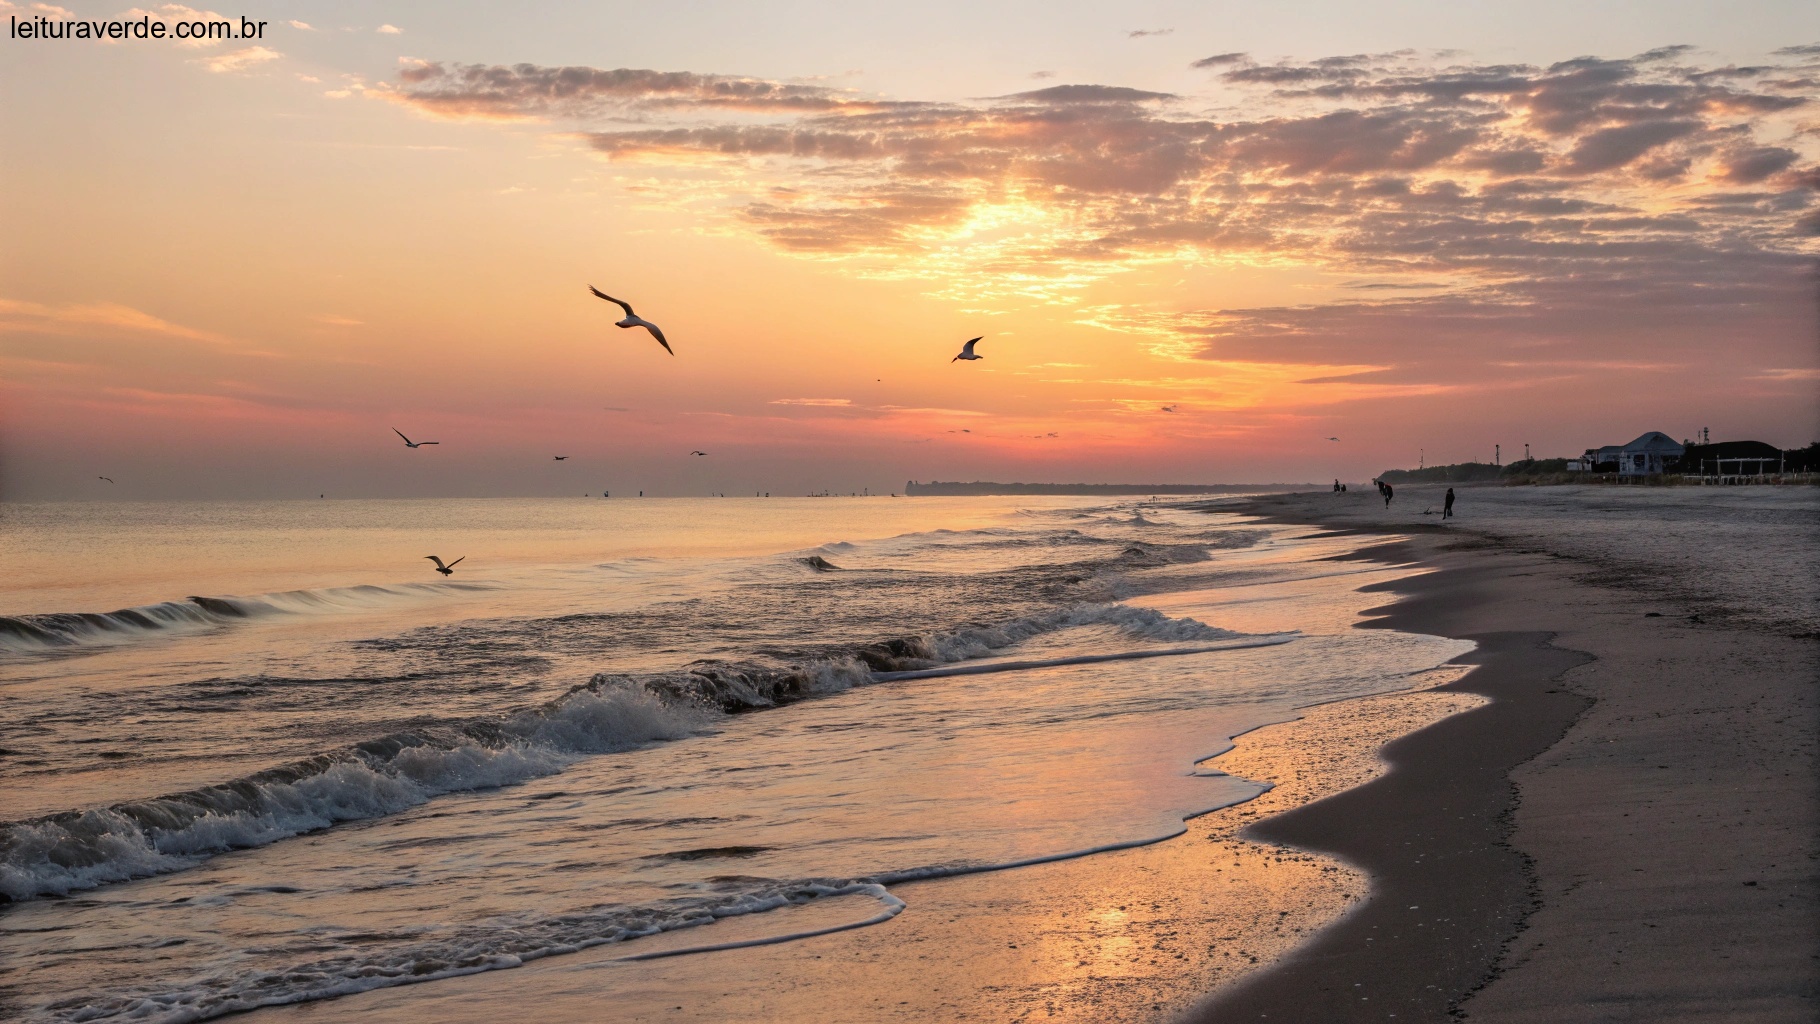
[(1203, 242)]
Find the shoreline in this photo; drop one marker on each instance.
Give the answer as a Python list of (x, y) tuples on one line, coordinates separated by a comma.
[(1129, 935), (1577, 849)]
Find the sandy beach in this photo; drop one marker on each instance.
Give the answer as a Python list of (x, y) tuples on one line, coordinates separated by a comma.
[(1605, 809), (1628, 830)]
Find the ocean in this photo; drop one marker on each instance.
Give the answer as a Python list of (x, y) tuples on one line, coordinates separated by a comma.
[(259, 754)]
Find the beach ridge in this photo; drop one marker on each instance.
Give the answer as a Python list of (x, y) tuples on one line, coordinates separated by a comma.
[(1629, 826)]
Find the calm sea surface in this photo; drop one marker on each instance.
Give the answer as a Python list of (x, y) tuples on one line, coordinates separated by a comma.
[(262, 753)]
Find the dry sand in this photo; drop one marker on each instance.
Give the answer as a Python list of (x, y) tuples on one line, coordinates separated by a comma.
[(1665, 839)]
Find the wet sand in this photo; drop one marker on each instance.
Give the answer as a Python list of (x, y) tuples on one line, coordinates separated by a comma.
[(1630, 830)]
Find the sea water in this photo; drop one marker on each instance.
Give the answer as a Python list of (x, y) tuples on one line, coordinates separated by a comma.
[(262, 753)]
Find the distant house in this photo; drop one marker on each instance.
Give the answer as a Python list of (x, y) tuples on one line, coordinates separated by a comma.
[(1603, 460), (1654, 452)]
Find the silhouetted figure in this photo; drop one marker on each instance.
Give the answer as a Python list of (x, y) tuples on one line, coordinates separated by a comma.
[(1389, 493), (1342, 488), (1447, 507), (1336, 487)]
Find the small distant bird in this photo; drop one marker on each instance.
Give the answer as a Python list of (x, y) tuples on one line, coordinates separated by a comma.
[(1168, 408), (698, 453), (1333, 439), (109, 479), (633, 319), (446, 570), (559, 458), (408, 443), (967, 350)]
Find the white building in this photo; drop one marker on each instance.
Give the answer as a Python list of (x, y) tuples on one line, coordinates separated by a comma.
[(1654, 452)]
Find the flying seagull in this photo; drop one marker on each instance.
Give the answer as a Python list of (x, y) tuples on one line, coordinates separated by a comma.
[(109, 479), (1333, 439), (558, 458), (634, 320), (446, 570), (408, 443), (698, 453), (967, 350), (1167, 408)]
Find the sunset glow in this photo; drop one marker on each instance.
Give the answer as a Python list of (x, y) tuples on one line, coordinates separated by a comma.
[(231, 269)]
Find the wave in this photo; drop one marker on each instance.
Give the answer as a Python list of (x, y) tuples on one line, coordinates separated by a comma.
[(55, 631), (467, 949), (62, 853), (504, 943), (75, 850)]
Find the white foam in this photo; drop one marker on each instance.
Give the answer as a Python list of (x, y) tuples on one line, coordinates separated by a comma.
[(65, 854)]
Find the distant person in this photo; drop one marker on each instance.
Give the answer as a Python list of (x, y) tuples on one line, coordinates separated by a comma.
[(1389, 493), (1342, 488), (1447, 507), (1336, 487)]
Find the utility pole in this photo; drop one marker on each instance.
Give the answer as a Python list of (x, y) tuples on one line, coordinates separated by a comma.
[(1497, 455), (1421, 458), (1526, 451)]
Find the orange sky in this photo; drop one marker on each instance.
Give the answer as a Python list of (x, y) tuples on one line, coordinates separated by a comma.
[(231, 270)]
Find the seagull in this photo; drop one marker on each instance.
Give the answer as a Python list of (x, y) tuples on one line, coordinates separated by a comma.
[(408, 443), (1333, 439), (446, 570), (558, 458), (1168, 408), (967, 350), (634, 320), (698, 453), (109, 479)]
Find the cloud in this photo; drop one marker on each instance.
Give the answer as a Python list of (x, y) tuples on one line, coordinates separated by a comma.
[(1538, 204), (531, 92), (832, 402), (389, 30), (334, 320), (1142, 32), (302, 26), (1611, 148), (1220, 60), (18, 317), (1747, 167), (239, 60)]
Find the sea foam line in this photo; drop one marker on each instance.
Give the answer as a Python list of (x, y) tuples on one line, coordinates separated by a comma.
[(1080, 659)]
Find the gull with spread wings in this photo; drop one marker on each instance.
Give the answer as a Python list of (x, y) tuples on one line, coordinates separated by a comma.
[(967, 350), (446, 570), (408, 443), (633, 319)]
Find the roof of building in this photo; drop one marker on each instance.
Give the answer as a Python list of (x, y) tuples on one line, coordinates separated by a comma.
[(1655, 441)]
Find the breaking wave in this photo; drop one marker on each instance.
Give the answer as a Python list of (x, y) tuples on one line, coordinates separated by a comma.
[(63, 631), (75, 850)]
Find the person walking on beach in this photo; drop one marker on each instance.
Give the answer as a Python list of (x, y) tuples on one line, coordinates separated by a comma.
[(1447, 506), (1389, 493)]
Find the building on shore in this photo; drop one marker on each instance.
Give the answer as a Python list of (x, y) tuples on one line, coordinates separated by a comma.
[(1654, 452)]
